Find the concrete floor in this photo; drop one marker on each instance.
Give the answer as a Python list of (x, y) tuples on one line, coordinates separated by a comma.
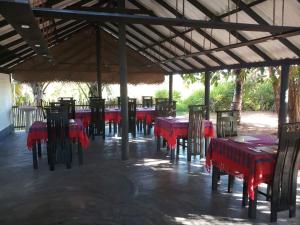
[(147, 189)]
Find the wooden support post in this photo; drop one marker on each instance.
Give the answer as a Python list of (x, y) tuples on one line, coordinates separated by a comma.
[(206, 102), (98, 59), (207, 93), (170, 88), (284, 82), (123, 85)]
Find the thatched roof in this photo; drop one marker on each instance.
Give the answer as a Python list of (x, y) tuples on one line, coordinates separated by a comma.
[(75, 60)]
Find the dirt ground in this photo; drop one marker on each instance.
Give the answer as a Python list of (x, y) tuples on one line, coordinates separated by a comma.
[(256, 122)]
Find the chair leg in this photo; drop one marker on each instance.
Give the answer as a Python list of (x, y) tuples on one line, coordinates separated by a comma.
[(39, 149), (245, 194), (230, 183), (51, 157), (109, 127), (68, 155), (145, 127), (34, 157), (253, 206), (215, 175), (273, 213), (158, 143), (80, 154)]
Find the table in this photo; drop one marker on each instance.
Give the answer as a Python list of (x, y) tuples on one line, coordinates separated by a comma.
[(114, 115), (38, 133), (171, 128), (249, 157), (28, 111)]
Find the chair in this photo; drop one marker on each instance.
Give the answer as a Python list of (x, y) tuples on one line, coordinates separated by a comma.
[(59, 145), (164, 108), (147, 101), (70, 103), (227, 123), (195, 131), (132, 116), (283, 188), (97, 124), (226, 127)]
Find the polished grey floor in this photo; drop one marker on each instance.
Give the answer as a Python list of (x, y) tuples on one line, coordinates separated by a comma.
[(147, 189)]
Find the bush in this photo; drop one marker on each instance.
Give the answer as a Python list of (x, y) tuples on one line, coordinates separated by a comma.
[(165, 94), (221, 96), (258, 95)]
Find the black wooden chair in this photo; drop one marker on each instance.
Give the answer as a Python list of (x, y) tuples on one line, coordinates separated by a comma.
[(283, 188), (147, 101), (195, 144), (227, 123), (97, 124), (70, 104), (164, 108), (59, 145), (226, 127), (132, 116)]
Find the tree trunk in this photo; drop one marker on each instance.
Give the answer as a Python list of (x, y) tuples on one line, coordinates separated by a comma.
[(276, 88), (294, 95), (38, 92), (93, 89), (238, 93)]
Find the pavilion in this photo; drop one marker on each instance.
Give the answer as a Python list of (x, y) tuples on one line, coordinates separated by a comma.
[(139, 41)]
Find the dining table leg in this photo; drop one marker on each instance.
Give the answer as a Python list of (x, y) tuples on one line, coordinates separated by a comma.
[(34, 156), (245, 194), (172, 152), (145, 127), (252, 206), (158, 143), (215, 178), (80, 153), (39, 149), (230, 183)]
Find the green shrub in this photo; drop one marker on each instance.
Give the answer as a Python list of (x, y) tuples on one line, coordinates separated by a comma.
[(258, 95), (221, 96)]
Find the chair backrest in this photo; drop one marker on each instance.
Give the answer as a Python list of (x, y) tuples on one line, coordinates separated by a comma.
[(158, 100), (195, 129), (70, 103), (147, 101), (164, 108), (284, 185), (97, 106), (65, 98), (132, 115), (57, 123), (227, 123)]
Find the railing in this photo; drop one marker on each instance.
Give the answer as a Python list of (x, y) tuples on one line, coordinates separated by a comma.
[(19, 116)]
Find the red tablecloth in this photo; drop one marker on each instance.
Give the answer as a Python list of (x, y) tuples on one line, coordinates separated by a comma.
[(114, 115), (38, 132), (243, 160), (171, 128)]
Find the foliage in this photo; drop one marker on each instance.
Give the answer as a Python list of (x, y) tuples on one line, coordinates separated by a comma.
[(258, 95), (164, 93), (221, 96)]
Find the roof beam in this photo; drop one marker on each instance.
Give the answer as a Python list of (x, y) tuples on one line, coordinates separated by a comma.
[(25, 24), (261, 21), (238, 45), (248, 65), (156, 51), (203, 33), (146, 54), (138, 19), (237, 35)]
